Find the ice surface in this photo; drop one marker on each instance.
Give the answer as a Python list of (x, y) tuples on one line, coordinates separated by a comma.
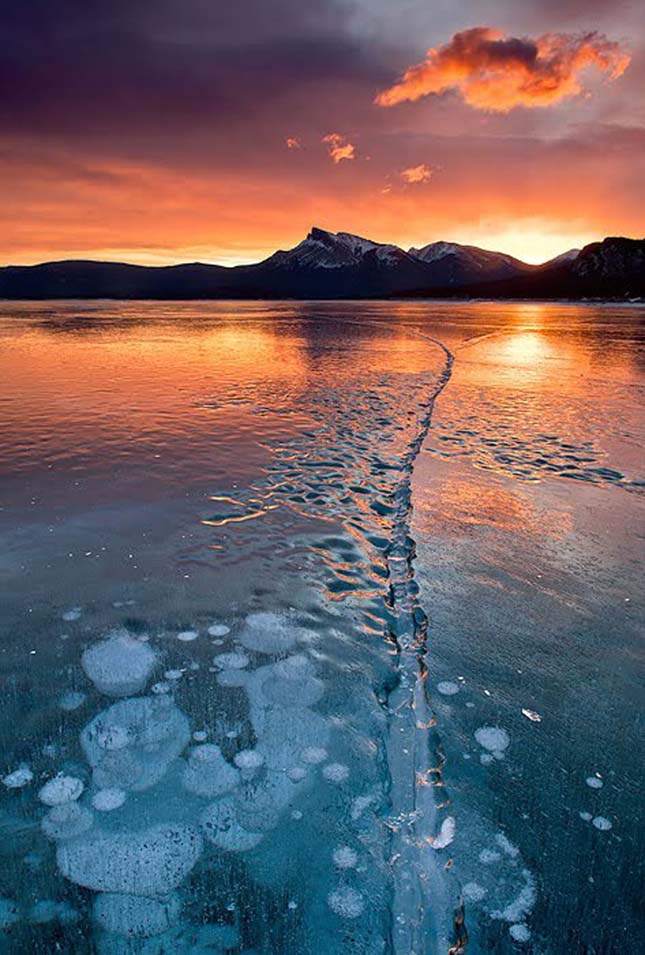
[(67, 821), (135, 917), (9, 913), (268, 633)]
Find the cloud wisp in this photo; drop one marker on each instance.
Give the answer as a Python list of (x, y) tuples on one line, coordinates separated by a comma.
[(338, 147), (497, 73), (417, 175)]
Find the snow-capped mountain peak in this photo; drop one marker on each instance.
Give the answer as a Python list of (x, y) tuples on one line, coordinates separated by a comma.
[(333, 250)]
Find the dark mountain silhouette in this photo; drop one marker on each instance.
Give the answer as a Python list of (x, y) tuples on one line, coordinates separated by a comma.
[(341, 265)]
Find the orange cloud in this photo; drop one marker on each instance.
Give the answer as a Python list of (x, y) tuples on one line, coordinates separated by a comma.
[(338, 147), (293, 142), (497, 73), (416, 175)]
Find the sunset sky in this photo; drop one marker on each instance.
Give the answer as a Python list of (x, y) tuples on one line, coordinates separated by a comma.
[(159, 131)]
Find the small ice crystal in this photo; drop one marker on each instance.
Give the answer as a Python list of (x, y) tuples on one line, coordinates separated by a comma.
[(447, 688), (594, 782), (219, 630), (600, 822), (18, 778), (532, 716)]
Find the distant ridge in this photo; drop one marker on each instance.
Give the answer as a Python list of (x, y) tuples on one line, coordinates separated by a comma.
[(342, 265)]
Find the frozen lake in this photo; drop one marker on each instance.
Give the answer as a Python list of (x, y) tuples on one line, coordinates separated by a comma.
[(319, 628)]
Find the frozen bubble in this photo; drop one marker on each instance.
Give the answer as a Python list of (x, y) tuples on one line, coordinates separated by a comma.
[(473, 892), (72, 700), (313, 755), (296, 774), (585, 816), (346, 902), (200, 736), (600, 822), (447, 688), (9, 913), (152, 862), (258, 805), (160, 688), (105, 800), (470, 705), (61, 789), (268, 633), (594, 782), (519, 932), (208, 773), (157, 732), (187, 636), (49, 910), (493, 738), (18, 778), (336, 772), (135, 917), (507, 846), (221, 827), (231, 661), (360, 804), (296, 814), (486, 759), (518, 909), (488, 856), (67, 821), (249, 762), (74, 613), (345, 858), (446, 833), (218, 630), (173, 674), (292, 682), (120, 665)]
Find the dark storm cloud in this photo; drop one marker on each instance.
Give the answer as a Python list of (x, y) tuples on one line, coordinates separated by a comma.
[(75, 66)]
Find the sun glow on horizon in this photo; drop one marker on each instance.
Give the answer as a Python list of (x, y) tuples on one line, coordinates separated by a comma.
[(530, 245)]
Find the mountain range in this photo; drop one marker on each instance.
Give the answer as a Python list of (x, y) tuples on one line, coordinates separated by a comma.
[(341, 265)]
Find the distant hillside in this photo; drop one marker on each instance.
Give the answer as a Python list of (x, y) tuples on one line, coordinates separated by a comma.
[(341, 265)]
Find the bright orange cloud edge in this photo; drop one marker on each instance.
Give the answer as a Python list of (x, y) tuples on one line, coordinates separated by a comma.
[(497, 73)]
